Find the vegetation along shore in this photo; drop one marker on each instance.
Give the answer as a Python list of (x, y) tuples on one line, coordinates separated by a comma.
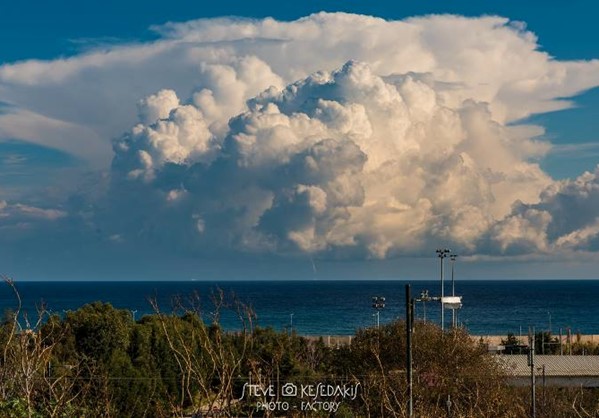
[(177, 362)]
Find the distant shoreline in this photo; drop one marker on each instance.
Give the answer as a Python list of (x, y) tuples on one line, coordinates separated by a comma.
[(490, 340)]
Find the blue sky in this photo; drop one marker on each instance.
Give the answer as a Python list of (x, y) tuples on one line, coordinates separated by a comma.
[(48, 29), (62, 189)]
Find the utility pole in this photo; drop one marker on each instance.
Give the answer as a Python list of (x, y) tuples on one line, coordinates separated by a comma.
[(409, 329), (531, 363)]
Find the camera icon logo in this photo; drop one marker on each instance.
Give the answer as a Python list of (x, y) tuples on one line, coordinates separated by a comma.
[(288, 390)]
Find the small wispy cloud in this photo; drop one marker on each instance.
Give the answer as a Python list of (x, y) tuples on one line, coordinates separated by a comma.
[(96, 44), (12, 160), (573, 150)]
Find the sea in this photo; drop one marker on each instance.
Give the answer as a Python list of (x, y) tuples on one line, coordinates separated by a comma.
[(317, 307)]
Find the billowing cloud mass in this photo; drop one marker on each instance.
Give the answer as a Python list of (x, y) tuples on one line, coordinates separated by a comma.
[(338, 135), (565, 218), (339, 161)]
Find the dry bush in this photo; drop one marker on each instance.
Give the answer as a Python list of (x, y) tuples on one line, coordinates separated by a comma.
[(209, 359)]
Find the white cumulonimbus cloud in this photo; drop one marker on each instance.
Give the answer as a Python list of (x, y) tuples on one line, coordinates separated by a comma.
[(565, 218), (345, 162), (334, 134)]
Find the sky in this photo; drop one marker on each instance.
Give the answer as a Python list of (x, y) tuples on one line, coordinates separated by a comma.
[(310, 140)]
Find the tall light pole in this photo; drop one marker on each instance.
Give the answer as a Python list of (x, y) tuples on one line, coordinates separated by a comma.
[(452, 257), (442, 253), (378, 303), (424, 297)]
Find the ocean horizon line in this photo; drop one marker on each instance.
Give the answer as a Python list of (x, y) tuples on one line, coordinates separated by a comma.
[(253, 280)]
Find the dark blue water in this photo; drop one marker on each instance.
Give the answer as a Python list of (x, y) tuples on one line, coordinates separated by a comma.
[(341, 307)]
